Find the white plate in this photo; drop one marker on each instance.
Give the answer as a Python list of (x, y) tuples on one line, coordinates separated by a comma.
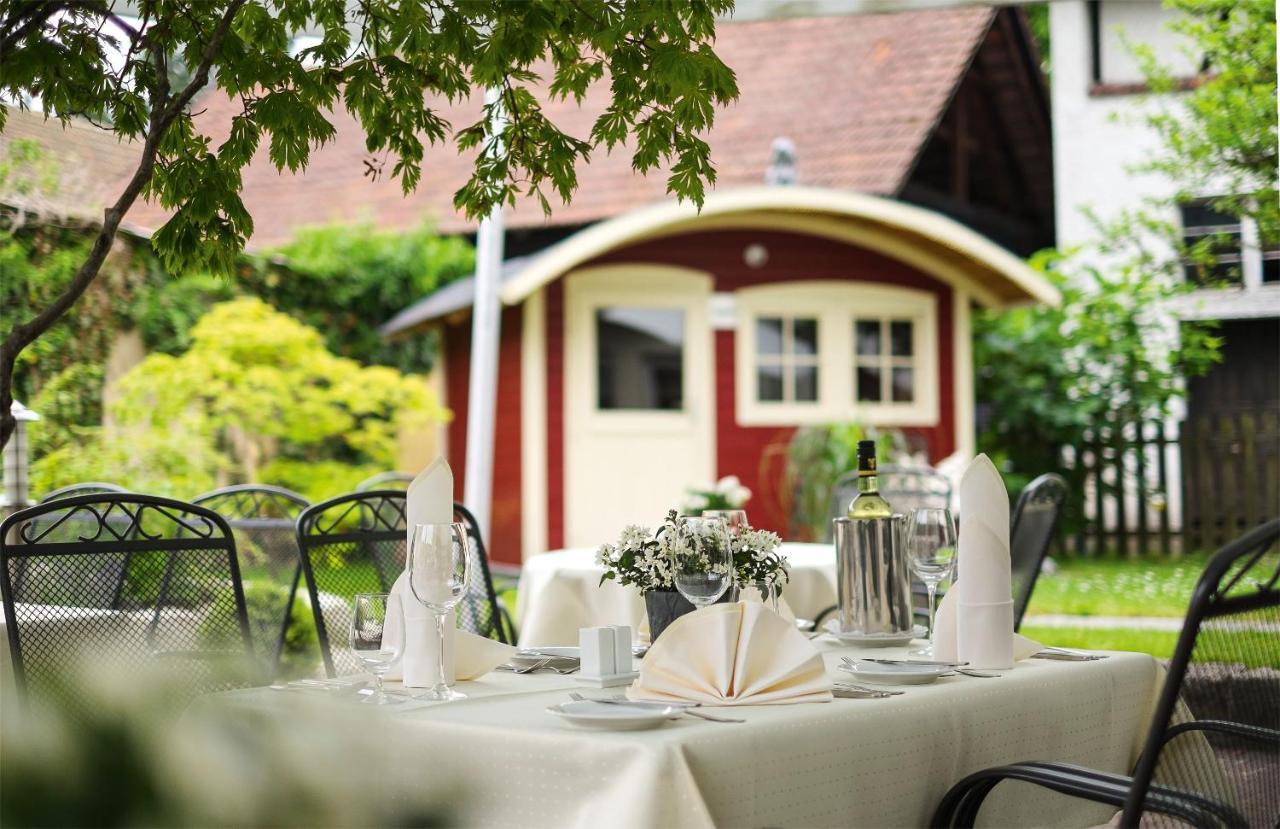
[(876, 640), (528, 656), (895, 674), (599, 715)]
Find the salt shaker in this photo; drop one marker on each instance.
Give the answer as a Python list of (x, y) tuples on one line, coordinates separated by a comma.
[(597, 652), (621, 648)]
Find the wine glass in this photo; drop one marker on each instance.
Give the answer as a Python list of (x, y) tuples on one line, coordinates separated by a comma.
[(736, 522), (372, 614), (703, 560), (931, 550), (439, 558)]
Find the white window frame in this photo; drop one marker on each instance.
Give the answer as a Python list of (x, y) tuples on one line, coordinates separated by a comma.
[(836, 305)]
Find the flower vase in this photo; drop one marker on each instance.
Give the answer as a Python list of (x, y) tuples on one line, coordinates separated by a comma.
[(665, 606)]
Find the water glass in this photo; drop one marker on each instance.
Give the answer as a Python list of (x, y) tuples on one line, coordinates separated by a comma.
[(372, 615), (735, 520), (703, 560), (439, 560), (931, 551)]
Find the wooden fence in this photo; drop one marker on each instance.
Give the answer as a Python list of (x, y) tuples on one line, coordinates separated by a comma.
[(1153, 489)]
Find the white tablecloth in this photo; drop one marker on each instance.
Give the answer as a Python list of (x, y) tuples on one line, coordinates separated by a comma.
[(560, 592), (845, 763)]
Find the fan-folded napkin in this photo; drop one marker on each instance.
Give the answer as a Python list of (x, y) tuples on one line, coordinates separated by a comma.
[(974, 624), (733, 654)]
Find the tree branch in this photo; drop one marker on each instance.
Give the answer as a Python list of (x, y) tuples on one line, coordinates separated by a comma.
[(163, 114), (35, 19)]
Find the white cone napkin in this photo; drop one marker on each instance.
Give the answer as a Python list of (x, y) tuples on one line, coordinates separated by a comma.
[(429, 500), (984, 592), (733, 654)]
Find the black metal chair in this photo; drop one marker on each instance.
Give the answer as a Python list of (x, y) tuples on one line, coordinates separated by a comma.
[(1218, 767), (87, 488), (1034, 521), (179, 600), (356, 544), (480, 611), (385, 480), (264, 519)]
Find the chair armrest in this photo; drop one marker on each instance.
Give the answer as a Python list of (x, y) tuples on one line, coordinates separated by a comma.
[(1251, 732), (960, 805)]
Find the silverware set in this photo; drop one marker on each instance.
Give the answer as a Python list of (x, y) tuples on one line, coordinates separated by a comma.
[(1067, 655), (684, 708), (851, 690), (559, 664), (956, 667)]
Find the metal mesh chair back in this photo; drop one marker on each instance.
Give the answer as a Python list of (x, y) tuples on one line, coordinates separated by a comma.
[(1034, 521), (479, 611), (87, 488), (264, 522), (350, 544), (385, 480), (1216, 730), (171, 567)]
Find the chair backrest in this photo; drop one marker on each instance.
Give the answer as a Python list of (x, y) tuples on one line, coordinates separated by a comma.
[(1032, 525), (356, 544), (1226, 671), (264, 520), (479, 611), (385, 480), (173, 567), (87, 488), (905, 488), (350, 544)]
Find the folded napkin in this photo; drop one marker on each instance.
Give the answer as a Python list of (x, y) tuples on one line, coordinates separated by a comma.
[(429, 500), (944, 635), (733, 654), (983, 592), (467, 656)]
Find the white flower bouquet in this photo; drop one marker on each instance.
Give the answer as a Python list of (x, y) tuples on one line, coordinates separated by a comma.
[(726, 493)]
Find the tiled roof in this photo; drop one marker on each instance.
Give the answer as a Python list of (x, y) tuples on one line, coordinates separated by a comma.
[(80, 168), (859, 96)]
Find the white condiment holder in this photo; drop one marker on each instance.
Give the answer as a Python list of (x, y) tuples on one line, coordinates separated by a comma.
[(605, 656)]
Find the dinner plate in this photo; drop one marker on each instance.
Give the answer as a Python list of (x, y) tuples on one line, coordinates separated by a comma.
[(606, 717), (897, 674), (875, 640)]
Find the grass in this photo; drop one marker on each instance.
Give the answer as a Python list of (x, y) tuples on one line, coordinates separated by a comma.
[(1117, 587)]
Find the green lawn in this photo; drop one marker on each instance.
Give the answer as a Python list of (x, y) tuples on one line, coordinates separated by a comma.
[(1118, 587)]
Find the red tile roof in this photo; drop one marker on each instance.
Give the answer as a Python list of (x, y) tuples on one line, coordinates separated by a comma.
[(79, 171), (859, 96)]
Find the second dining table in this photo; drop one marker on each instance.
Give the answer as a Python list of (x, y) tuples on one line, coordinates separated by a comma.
[(560, 593)]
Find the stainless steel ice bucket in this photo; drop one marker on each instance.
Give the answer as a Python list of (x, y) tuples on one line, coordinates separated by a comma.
[(873, 578)]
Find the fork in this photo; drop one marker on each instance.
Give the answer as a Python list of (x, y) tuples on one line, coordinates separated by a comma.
[(528, 669), (853, 686), (683, 710)]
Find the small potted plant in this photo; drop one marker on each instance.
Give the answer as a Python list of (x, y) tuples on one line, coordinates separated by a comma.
[(647, 560)]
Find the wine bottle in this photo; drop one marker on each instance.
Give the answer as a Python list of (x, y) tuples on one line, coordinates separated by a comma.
[(868, 503)]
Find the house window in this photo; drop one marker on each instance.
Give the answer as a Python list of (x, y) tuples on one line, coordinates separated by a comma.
[(787, 359), (640, 358), (831, 351), (884, 361), (1201, 223)]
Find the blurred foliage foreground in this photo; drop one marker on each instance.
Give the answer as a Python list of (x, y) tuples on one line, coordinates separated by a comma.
[(134, 751), (257, 397)]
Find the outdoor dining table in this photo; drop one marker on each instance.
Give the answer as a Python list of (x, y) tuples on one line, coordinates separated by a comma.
[(560, 592), (848, 762)]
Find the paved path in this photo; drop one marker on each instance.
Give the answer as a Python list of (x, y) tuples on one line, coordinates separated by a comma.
[(1159, 623)]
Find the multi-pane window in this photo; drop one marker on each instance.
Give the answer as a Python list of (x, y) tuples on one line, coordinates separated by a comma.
[(1201, 223), (787, 359), (884, 360)]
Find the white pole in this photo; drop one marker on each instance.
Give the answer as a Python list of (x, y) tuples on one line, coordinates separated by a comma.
[(482, 394)]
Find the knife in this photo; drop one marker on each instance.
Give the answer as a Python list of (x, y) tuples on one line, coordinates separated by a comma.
[(922, 662)]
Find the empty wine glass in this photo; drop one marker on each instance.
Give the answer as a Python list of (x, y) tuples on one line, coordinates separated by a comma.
[(372, 615), (931, 550), (439, 557), (703, 560), (736, 522)]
